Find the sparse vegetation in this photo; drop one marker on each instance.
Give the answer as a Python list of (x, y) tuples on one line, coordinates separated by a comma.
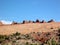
[(26, 39), (51, 27)]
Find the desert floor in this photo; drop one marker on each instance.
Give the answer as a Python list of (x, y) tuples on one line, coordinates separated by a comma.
[(30, 27)]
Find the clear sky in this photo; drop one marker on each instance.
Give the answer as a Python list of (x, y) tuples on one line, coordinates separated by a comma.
[(19, 10)]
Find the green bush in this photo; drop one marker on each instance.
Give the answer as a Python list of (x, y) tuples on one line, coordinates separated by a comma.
[(53, 42), (27, 43)]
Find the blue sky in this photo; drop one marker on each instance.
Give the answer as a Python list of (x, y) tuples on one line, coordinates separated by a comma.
[(19, 10)]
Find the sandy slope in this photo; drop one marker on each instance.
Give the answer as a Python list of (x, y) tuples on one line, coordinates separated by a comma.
[(27, 28)]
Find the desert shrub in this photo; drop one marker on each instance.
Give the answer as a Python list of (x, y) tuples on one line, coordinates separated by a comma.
[(42, 44), (48, 42), (2, 38), (14, 41), (18, 38), (33, 44), (51, 28), (7, 38), (33, 32), (38, 33), (37, 20), (53, 42), (27, 36), (33, 21), (23, 22), (59, 36), (27, 43), (16, 34), (47, 34), (59, 30), (51, 21)]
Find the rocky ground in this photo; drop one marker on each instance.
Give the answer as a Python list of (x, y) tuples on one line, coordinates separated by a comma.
[(28, 28), (30, 33), (44, 38)]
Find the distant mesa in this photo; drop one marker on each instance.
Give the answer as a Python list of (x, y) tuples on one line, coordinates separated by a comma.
[(51, 21)]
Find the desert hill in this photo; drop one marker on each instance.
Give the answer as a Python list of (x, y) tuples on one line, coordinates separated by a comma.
[(29, 27), (30, 33)]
